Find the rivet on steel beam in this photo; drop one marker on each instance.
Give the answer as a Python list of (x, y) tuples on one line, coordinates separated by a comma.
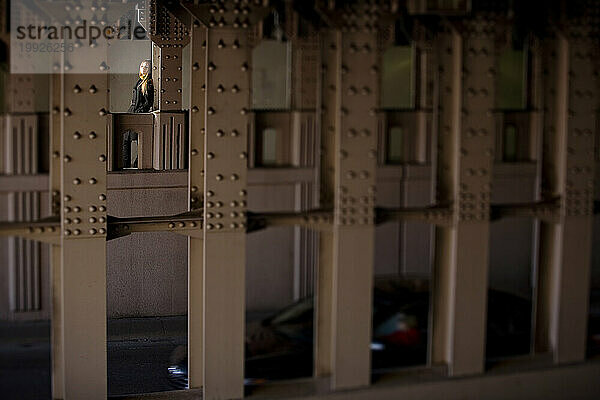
[(76, 181), (67, 112), (102, 112), (195, 109), (233, 204), (67, 158), (351, 133), (233, 177), (55, 110), (211, 66), (210, 204), (219, 177), (235, 89), (92, 208), (209, 226), (55, 154), (93, 181), (244, 67), (234, 133), (210, 111), (218, 215), (243, 111), (77, 135), (77, 89), (102, 157), (242, 193), (93, 89), (219, 204), (92, 220), (76, 232), (102, 220), (171, 225), (365, 133), (181, 224), (210, 193), (102, 231), (210, 156), (102, 208), (235, 44), (67, 232), (67, 221)]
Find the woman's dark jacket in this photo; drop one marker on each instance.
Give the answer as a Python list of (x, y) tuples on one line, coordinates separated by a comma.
[(140, 102)]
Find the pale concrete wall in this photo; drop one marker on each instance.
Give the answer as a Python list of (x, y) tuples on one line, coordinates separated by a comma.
[(124, 60), (147, 272), (512, 239)]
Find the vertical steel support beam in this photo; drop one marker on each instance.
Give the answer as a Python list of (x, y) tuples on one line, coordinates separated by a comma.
[(346, 268), (55, 250), (83, 244), (169, 77), (565, 246), (323, 320), (467, 127), (196, 190), (227, 104)]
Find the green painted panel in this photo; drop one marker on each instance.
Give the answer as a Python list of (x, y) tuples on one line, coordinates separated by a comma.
[(397, 80), (510, 91)]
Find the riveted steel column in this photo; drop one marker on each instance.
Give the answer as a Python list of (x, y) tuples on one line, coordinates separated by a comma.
[(169, 76), (566, 246), (83, 244), (466, 156), (323, 319), (196, 185), (56, 82), (168, 35), (354, 156), (227, 103)]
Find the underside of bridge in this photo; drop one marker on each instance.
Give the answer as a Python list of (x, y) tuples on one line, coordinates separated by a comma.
[(317, 150)]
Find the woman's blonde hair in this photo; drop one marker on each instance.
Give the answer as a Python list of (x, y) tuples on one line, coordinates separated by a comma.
[(147, 77)]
